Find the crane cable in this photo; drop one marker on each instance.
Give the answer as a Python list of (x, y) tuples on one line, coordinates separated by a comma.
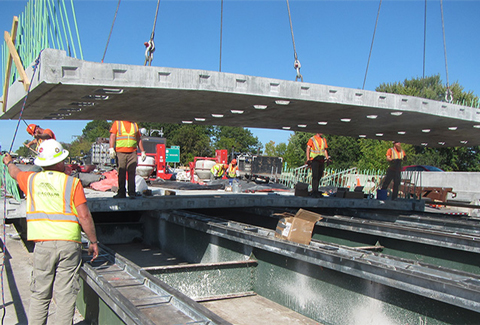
[(221, 32), (150, 45), (448, 92), (111, 29), (371, 46), (296, 63), (6, 180)]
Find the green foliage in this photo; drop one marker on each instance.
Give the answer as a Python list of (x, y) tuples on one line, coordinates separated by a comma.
[(296, 152), (193, 140), (96, 129), (344, 151), (275, 150), (24, 151), (448, 159), (77, 146), (430, 88), (241, 139)]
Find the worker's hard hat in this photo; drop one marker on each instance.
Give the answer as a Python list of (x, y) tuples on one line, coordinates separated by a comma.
[(225, 166), (234, 161), (31, 129), (50, 153)]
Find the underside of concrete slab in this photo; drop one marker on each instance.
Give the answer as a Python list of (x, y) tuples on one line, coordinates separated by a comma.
[(70, 89)]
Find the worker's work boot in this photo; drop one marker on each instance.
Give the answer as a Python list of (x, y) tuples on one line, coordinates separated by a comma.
[(120, 196)]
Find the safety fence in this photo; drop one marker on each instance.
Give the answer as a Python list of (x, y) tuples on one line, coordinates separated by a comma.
[(43, 24), (370, 180)]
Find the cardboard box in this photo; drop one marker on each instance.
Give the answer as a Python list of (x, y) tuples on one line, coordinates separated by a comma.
[(297, 228)]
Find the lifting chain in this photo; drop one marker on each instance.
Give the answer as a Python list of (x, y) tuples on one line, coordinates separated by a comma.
[(149, 49), (296, 63), (297, 67), (150, 45), (448, 95)]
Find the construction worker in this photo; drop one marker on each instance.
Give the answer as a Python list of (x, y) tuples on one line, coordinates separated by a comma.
[(316, 156), (39, 135), (232, 169), (395, 156), (56, 212), (124, 139), (217, 171)]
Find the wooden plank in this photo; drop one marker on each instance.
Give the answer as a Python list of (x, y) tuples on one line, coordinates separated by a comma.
[(17, 60), (8, 70)]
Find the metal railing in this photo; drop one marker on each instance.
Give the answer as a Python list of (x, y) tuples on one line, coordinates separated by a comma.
[(371, 180)]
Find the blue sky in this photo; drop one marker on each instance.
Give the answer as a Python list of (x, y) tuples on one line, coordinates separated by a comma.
[(332, 40)]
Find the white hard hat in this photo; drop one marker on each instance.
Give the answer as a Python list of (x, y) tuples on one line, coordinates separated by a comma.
[(50, 153)]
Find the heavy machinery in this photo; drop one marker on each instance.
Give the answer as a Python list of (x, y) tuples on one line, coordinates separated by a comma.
[(260, 169), (200, 167)]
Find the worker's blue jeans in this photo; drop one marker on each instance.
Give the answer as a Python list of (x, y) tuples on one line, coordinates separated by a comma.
[(55, 273)]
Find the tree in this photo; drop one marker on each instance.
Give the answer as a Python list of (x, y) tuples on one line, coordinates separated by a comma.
[(23, 151), (344, 151), (241, 139), (296, 151), (193, 141), (96, 129), (449, 159)]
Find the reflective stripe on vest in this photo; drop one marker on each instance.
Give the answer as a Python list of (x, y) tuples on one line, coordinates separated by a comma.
[(318, 148), (126, 139), (50, 211), (396, 154)]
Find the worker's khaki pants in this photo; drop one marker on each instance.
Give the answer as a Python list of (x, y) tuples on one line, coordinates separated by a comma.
[(127, 164), (55, 271)]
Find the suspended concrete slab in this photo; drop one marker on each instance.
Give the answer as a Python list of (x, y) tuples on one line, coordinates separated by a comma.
[(70, 89)]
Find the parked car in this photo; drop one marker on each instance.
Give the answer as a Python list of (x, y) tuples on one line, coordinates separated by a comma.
[(421, 168)]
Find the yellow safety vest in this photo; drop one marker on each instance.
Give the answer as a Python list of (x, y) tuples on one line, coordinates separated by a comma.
[(51, 214), (217, 170), (232, 171), (318, 147), (126, 139), (396, 154)]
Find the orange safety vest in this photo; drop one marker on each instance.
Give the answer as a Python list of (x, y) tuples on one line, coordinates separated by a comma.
[(51, 213), (396, 154), (319, 145), (126, 139)]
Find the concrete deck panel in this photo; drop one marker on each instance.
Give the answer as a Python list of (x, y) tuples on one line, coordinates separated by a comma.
[(104, 202), (70, 89)]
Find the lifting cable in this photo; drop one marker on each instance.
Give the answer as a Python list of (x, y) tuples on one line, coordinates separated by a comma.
[(111, 29), (296, 63), (150, 45), (7, 179), (424, 39), (221, 30), (448, 92), (371, 46)]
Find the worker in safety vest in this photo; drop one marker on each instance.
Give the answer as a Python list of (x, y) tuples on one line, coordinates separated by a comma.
[(395, 156), (217, 171), (39, 135), (316, 156), (232, 169), (56, 211), (124, 139)]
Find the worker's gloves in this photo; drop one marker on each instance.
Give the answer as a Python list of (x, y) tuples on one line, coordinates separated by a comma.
[(144, 156), (111, 152)]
